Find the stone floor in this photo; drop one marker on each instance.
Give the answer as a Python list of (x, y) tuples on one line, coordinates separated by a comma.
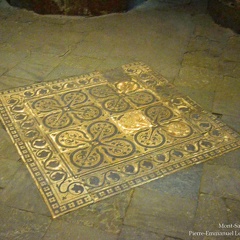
[(178, 40)]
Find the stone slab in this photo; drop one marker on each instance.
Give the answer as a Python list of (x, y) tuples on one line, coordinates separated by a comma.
[(9, 29), (233, 122), (198, 78), (22, 193), (203, 97), (7, 148), (65, 231), (2, 70), (74, 66), (7, 82), (233, 212), (97, 49), (203, 43), (221, 181), (132, 233), (10, 59), (7, 171), (161, 213), (184, 184), (200, 59), (55, 48), (211, 211), (206, 27), (8, 159), (107, 215), (21, 225), (226, 100), (230, 160), (27, 44), (113, 62), (230, 68), (35, 67)]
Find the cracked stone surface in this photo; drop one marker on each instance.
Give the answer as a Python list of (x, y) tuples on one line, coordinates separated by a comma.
[(177, 213), (221, 181), (180, 41), (18, 224), (15, 194), (65, 231), (184, 184), (106, 215), (211, 211), (132, 233)]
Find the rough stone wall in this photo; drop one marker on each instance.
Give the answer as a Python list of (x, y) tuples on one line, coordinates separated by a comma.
[(72, 7), (226, 13)]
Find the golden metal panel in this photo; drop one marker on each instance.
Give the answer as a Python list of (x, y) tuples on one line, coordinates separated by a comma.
[(87, 138)]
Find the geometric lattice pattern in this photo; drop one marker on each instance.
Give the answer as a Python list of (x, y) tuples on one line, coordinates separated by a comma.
[(87, 138)]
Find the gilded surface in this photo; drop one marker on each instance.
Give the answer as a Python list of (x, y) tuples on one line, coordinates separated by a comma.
[(87, 138)]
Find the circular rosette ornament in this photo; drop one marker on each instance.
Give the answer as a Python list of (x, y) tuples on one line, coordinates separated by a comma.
[(72, 138), (150, 138), (87, 113), (57, 120), (74, 99), (118, 148), (116, 105), (100, 130), (46, 105), (86, 158), (102, 91), (142, 98), (158, 113)]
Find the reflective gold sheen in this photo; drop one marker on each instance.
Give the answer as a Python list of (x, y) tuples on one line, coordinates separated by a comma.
[(90, 137)]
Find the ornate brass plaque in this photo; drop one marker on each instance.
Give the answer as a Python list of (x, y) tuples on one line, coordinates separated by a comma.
[(87, 138)]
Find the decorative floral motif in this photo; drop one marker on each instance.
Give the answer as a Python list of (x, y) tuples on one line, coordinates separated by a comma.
[(103, 141), (58, 114)]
